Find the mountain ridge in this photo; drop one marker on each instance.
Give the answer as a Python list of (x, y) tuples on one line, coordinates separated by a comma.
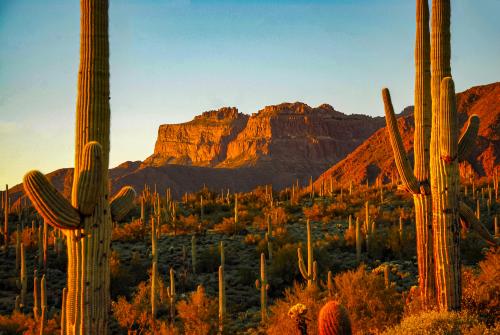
[(289, 159)]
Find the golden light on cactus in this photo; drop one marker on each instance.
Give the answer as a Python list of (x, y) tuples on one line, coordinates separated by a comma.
[(86, 221), (437, 151)]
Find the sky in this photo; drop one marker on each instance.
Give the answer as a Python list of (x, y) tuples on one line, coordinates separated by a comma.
[(173, 59)]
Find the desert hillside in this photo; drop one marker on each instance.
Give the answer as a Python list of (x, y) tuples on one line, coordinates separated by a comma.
[(374, 157)]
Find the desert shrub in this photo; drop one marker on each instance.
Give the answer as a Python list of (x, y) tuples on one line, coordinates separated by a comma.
[(279, 320), (19, 323), (481, 292), (135, 315), (121, 277), (401, 247), (284, 269), (439, 323), (278, 216), (314, 213), (260, 222), (350, 236), (188, 223), (129, 232), (198, 313), (27, 237), (337, 208), (227, 226), (370, 304), (253, 239)]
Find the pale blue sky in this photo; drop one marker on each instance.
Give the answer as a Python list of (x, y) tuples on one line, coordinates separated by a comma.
[(171, 60)]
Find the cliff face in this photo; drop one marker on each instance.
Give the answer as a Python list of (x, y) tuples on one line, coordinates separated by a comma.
[(374, 157), (289, 136), (201, 142)]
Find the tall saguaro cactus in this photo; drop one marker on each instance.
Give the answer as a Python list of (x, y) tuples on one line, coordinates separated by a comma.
[(263, 285), (309, 273), (437, 151), (87, 219)]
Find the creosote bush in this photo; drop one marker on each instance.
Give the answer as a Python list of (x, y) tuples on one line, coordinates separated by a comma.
[(129, 232), (198, 313), (481, 292), (371, 305), (19, 323), (441, 323)]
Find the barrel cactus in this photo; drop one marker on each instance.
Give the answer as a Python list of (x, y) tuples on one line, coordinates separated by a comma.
[(333, 319)]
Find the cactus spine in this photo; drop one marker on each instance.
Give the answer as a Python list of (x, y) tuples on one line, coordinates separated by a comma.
[(263, 285), (86, 221), (310, 273), (436, 132)]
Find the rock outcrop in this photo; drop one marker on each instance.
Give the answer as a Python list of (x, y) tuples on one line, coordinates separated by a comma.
[(200, 142), (289, 137)]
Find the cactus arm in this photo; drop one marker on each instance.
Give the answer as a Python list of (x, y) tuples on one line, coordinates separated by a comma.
[(400, 157), (302, 266), (49, 202), (466, 141), (469, 220), (257, 284), (122, 203), (90, 178)]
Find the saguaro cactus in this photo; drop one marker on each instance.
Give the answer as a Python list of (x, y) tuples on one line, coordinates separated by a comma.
[(222, 289), (23, 278), (263, 285), (269, 239), (171, 295), (154, 267), (437, 150), (86, 221), (309, 274), (236, 213), (358, 240), (193, 253), (222, 299)]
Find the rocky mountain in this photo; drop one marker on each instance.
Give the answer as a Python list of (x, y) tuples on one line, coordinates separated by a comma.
[(374, 157), (282, 143), (290, 137), (227, 149)]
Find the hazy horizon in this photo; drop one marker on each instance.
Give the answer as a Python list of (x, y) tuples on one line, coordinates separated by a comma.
[(172, 60)]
